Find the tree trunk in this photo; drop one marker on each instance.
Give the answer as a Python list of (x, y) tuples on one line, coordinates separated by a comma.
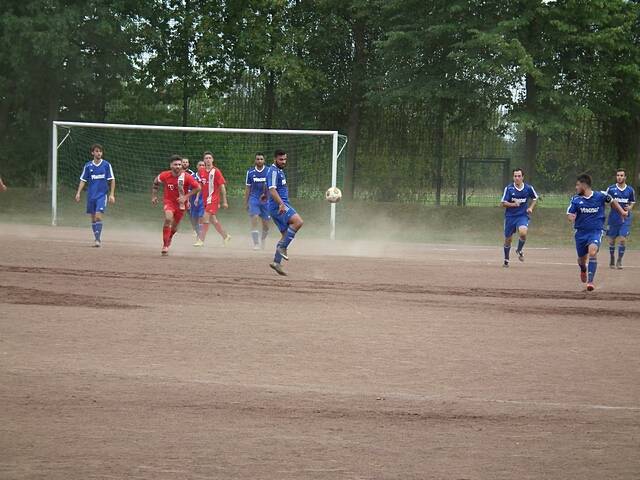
[(635, 181), (269, 103), (439, 153), (531, 131), (358, 76)]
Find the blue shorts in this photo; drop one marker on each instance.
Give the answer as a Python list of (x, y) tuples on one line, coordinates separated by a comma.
[(586, 238), (620, 230), (97, 205), (196, 211), (512, 224), (282, 219), (256, 207)]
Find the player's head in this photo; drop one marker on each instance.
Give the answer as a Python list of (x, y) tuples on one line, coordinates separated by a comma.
[(583, 183), (208, 159), (621, 176), (518, 176), (201, 164), (259, 161), (280, 158), (185, 164), (175, 164), (96, 151)]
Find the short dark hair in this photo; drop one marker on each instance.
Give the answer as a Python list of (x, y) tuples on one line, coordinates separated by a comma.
[(207, 152), (279, 152), (584, 178), (517, 170), (174, 157), (618, 170), (259, 154), (94, 146)]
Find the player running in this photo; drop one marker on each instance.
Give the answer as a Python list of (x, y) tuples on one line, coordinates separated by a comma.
[(196, 211), (98, 176), (213, 191), (586, 211), (194, 221), (178, 187), (284, 216), (256, 200), (517, 212), (618, 227)]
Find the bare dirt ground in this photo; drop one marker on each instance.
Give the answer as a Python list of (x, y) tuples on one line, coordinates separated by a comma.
[(369, 361)]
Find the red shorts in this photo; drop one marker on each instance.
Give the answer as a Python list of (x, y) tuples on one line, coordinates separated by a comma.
[(212, 208), (178, 213)]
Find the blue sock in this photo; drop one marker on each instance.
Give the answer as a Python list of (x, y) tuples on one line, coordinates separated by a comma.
[(612, 252), (255, 235), (593, 266), (277, 258), (98, 230), (520, 244), (288, 238), (507, 249), (621, 249), (265, 232)]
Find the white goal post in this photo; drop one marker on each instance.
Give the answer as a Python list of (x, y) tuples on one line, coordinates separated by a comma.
[(56, 143)]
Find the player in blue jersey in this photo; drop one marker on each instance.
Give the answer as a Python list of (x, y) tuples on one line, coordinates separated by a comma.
[(196, 212), (618, 228), (194, 218), (288, 221), (98, 176), (517, 211), (256, 200), (586, 211)]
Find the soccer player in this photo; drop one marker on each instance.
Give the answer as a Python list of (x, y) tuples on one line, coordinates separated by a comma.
[(586, 211), (255, 199), (288, 221), (196, 211), (517, 211), (213, 192), (3, 187), (178, 187), (618, 227), (98, 176), (194, 220)]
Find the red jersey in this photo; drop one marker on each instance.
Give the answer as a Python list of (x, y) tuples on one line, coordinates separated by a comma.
[(211, 182), (172, 184)]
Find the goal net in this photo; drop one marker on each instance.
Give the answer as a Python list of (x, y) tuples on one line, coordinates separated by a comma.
[(139, 152)]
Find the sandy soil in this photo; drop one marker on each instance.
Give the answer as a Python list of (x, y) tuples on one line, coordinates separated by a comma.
[(370, 361)]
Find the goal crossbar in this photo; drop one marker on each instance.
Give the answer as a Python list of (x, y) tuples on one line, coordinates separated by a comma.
[(267, 131)]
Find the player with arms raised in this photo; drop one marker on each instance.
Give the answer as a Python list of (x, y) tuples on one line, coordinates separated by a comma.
[(178, 187), (256, 200), (214, 195), (586, 211), (98, 176), (618, 227), (517, 212), (288, 221)]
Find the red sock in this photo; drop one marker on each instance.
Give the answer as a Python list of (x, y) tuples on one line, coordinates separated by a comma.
[(166, 236), (173, 232), (220, 230), (204, 228)]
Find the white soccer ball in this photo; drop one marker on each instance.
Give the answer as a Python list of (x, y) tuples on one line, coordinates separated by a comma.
[(333, 195)]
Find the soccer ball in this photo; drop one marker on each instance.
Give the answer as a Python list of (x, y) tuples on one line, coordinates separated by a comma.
[(333, 195)]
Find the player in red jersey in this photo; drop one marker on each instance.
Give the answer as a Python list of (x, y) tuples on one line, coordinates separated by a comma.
[(214, 195), (178, 187)]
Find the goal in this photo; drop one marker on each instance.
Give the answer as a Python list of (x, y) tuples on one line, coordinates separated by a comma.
[(139, 152), (481, 180)]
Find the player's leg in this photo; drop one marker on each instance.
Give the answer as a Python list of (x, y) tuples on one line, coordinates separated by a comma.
[(265, 231), (218, 226), (509, 230), (255, 233), (177, 218), (622, 246), (612, 234), (96, 221), (294, 223), (582, 249), (522, 238), (166, 230), (282, 225), (204, 228), (592, 265)]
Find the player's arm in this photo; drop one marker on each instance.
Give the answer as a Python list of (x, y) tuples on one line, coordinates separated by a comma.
[(195, 189), (223, 196), (571, 212), (616, 206), (83, 181), (276, 198), (504, 203), (154, 190), (112, 186), (532, 205), (3, 187), (247, 188)]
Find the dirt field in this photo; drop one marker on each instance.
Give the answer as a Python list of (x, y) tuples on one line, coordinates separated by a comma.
[(369, 361)]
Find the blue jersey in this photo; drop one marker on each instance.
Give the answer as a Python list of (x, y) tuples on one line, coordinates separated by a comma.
[(97, 178), (276, 179), (589, 211), (625, 197), (257, 182), (521, 196)]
